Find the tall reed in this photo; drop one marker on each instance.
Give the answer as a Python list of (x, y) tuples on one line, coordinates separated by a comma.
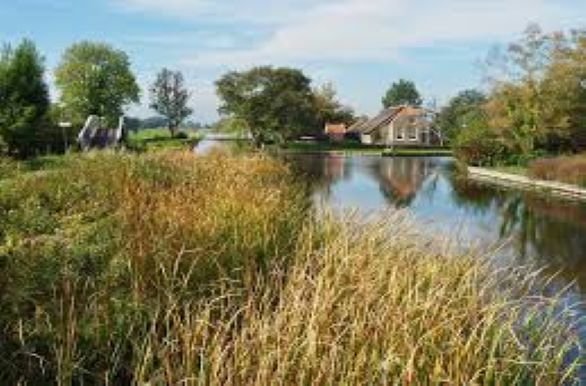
[(173, 269)]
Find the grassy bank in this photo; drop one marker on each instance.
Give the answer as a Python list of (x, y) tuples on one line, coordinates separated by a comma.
[(153, 139), (357, 147), (167, 268)]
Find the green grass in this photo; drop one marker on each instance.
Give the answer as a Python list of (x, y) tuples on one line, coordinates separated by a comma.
[(418, 152), (156, 139), (347, 146), (169, 268), (356, 147)]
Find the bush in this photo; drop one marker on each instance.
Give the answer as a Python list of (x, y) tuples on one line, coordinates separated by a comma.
[(182, 135), (479, 147), (568, 169)]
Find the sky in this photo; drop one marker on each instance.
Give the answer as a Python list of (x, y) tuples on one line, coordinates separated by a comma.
[(361, 46)]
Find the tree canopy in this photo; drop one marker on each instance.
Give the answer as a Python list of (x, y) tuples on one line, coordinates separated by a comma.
[(276, 103), (169, 97), (537, 101), (329, 109), (24, 98), (95, 78), (403, 92), (455, 116)]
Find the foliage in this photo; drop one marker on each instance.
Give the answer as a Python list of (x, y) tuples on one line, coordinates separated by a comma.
[(24, 99), (166, 267), (169, 97), (329, 109), (96, 79), (477, 144), (453, 117), (276, 103), (537, 102), (539, 99), (403, 92), (568, 169)]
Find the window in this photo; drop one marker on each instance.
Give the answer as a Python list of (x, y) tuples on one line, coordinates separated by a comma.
[(412, 133), (400, 133)]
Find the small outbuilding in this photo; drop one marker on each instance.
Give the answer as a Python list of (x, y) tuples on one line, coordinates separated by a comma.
[(336, 132)]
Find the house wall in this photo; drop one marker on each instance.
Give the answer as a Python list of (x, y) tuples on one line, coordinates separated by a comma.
[(405, 130)]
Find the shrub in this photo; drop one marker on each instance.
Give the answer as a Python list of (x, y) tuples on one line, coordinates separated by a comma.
[(182, 135), (479, 146), (569, 169), (8, 168)]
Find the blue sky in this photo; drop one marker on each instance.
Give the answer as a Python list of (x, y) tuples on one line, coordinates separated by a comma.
[(360, 45)]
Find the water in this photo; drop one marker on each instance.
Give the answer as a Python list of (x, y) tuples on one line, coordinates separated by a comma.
[(529, 228)]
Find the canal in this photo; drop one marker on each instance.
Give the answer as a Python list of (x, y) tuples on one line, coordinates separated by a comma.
[(516, 228)]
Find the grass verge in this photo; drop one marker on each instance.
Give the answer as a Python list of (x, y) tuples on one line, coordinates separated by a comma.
[(167, 268), (157, 139)]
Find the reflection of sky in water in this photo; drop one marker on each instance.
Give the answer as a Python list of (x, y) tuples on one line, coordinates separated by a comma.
[(529, 229)]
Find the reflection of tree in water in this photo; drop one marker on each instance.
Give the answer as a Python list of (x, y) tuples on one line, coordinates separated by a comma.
[(544, 231), (479, 197), (401, 179), (321, 171)]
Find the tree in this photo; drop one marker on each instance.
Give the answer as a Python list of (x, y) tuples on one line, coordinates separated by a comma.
[(24, 99), (403, 92), (329, 109), (454, 116), (276, 103), (169, 97), (96, 79)]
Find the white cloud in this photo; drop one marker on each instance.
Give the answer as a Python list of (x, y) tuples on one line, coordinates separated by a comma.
[(310, 33), (377, 30)]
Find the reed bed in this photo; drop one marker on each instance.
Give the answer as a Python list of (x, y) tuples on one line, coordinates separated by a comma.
[(568, 169), (169, 268)]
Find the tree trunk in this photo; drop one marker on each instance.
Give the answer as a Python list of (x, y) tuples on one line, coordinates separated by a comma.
[(173, 130)]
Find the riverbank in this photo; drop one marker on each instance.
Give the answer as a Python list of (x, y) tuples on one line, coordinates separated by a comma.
[(355, 148), (166, 267), (519, 179)]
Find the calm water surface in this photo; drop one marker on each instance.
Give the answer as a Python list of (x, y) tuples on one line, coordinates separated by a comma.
[(529, 228)]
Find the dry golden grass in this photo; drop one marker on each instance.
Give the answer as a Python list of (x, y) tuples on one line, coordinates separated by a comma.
[(173, 269), (568, 169), (366, 306)]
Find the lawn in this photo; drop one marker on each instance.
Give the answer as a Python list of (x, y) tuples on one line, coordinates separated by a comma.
[(170, 268), (357, 147), (152, 139)]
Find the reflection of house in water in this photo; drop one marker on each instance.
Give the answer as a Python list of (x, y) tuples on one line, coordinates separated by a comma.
[(401, 178), (323, 171), (334, 167)]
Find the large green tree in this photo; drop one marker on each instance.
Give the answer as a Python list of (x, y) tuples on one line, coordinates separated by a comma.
[(95, 78), (403, 92), (169, 97), (276, 103), (455, 116), (24, 99), (328, 107)]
